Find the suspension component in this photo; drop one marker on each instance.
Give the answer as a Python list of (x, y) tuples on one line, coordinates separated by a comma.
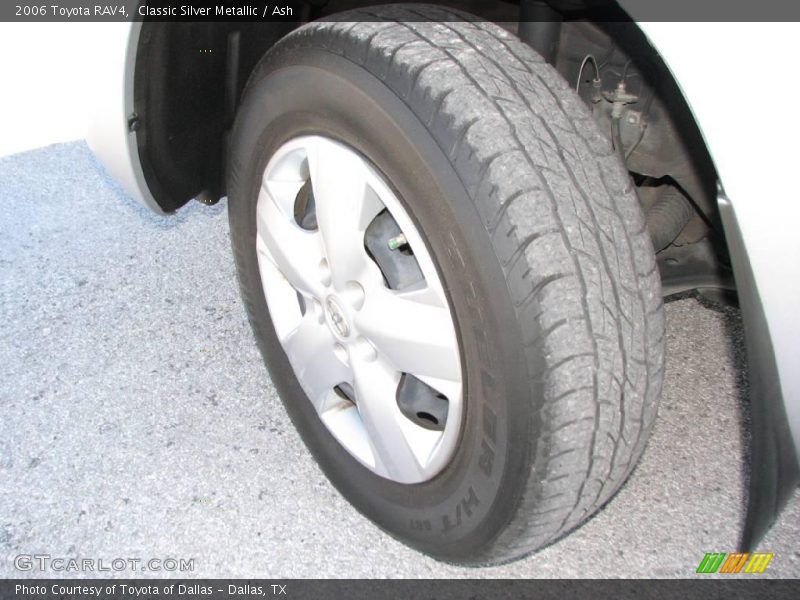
[(667, 218)]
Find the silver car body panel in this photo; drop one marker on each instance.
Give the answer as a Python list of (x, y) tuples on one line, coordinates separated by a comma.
[(110, 136)]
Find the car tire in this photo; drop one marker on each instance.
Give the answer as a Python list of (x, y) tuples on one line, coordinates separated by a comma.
[(537, 235)]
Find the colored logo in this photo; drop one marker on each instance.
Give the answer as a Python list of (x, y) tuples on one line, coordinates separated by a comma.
[(735, 562)]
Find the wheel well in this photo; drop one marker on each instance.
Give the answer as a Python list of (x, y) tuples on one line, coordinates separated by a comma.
[(187, 82), (633, 96)]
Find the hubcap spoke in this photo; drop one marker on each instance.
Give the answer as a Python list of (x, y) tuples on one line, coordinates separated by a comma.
[(345, 206), (310, 349), (296, 253), (376, 388), (416, 337)]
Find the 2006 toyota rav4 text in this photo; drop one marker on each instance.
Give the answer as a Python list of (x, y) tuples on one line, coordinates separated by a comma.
[(454, 230)]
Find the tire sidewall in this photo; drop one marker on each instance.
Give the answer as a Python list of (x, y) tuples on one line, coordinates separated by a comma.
[(457, 514)]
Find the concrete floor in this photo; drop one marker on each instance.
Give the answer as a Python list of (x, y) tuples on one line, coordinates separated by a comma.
[(137, 419)]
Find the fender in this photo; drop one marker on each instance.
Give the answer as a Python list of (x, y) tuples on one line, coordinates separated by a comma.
[(760, 214), (111, 137)]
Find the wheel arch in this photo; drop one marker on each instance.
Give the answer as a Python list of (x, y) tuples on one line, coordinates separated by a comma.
[(187, 81)]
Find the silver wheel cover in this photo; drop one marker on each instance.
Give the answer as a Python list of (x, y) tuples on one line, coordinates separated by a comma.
[(337, 320)]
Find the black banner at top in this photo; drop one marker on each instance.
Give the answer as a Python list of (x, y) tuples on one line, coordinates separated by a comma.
[(33, 11), (152, 10)]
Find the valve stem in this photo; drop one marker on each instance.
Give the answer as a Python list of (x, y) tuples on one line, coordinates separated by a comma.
[(397, 241)]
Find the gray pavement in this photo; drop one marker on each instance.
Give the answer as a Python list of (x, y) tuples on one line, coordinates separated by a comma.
[(137, 419)]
